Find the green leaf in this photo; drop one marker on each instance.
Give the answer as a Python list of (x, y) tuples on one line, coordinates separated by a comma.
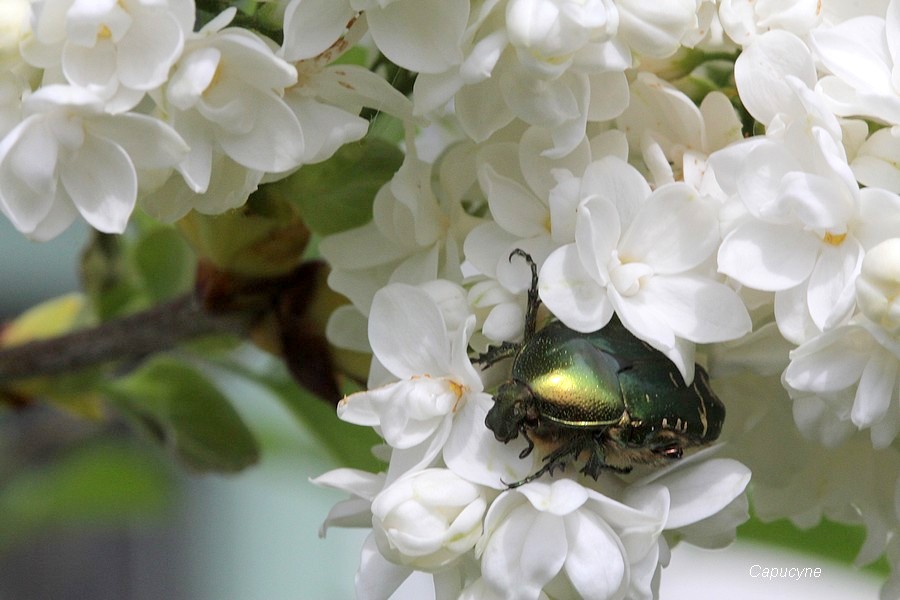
[(337, 194), (107, 276), (107, 483), (351, 445), (189, 413), (125, 273), (164, 262)]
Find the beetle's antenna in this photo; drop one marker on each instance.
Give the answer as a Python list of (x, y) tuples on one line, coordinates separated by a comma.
[(533, 300)]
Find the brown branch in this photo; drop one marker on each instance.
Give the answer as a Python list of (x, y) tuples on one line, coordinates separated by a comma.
[(126, 338)]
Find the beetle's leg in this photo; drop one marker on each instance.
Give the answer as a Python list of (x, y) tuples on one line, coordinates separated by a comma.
[(524, 453), (596, 462), (531, 477), (555, 459), (497, 353), (533, 300)]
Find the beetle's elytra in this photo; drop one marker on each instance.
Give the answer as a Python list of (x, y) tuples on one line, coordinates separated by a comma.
[(606, 396)]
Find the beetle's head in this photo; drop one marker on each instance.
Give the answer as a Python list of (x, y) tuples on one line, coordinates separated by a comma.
[(510, 411)]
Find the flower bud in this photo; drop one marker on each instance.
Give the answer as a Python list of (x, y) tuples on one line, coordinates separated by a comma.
[(878, 285), (428, 519)]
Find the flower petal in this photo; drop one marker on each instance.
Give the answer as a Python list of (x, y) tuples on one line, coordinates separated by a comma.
[(398, 31), (830, 362), (524, 551), (614, 179), (147, 53), (513, 206), (877, 386), (596, 563), (101, 180), (311, 26), (768, 257), (571, 294), (377, 578), (28, 163), (274, 144), (703, 490), (696, 308), (831, 293), (473, 453), (673, 231), (149, 142), (762, 67), (407, 332), (481, 110)]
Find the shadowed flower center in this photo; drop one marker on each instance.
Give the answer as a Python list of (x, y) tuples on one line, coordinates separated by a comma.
[(626, 276)]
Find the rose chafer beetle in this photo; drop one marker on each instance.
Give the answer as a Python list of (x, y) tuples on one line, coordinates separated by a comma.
[(605, 395)]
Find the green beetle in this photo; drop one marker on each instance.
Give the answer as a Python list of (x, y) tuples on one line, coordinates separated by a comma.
[(605, 394)]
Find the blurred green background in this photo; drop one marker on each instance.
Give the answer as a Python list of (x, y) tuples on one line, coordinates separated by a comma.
[(113, 518)]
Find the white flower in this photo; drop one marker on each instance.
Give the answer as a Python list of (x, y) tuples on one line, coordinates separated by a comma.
[(570, 541), (637, 254), (68, 157), (327, 100), (656, 30), (862, 55), (852, 373), (768, 74), (229, 187), (420, 35), (119, 50), (224, 95), (500, 312), (878, 286), (377, 578), (547, 34), (877, 161), (355, 511), (567, 539), (428, 519), (743, 20), (807, 223), (674, 135), (416, 233), (409, 337), (518, 182), (853, 370), (555, 64), (801, 238)]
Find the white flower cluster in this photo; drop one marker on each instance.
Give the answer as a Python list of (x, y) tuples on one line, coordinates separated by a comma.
[(769, 252), (109, 104), (761, 241)]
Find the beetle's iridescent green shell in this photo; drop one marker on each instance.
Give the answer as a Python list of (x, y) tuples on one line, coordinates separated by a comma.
[(574, 382), (592, 380), (658, 400)]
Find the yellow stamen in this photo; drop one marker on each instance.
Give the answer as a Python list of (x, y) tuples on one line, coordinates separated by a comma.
[(834, 239), (459, 390)]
